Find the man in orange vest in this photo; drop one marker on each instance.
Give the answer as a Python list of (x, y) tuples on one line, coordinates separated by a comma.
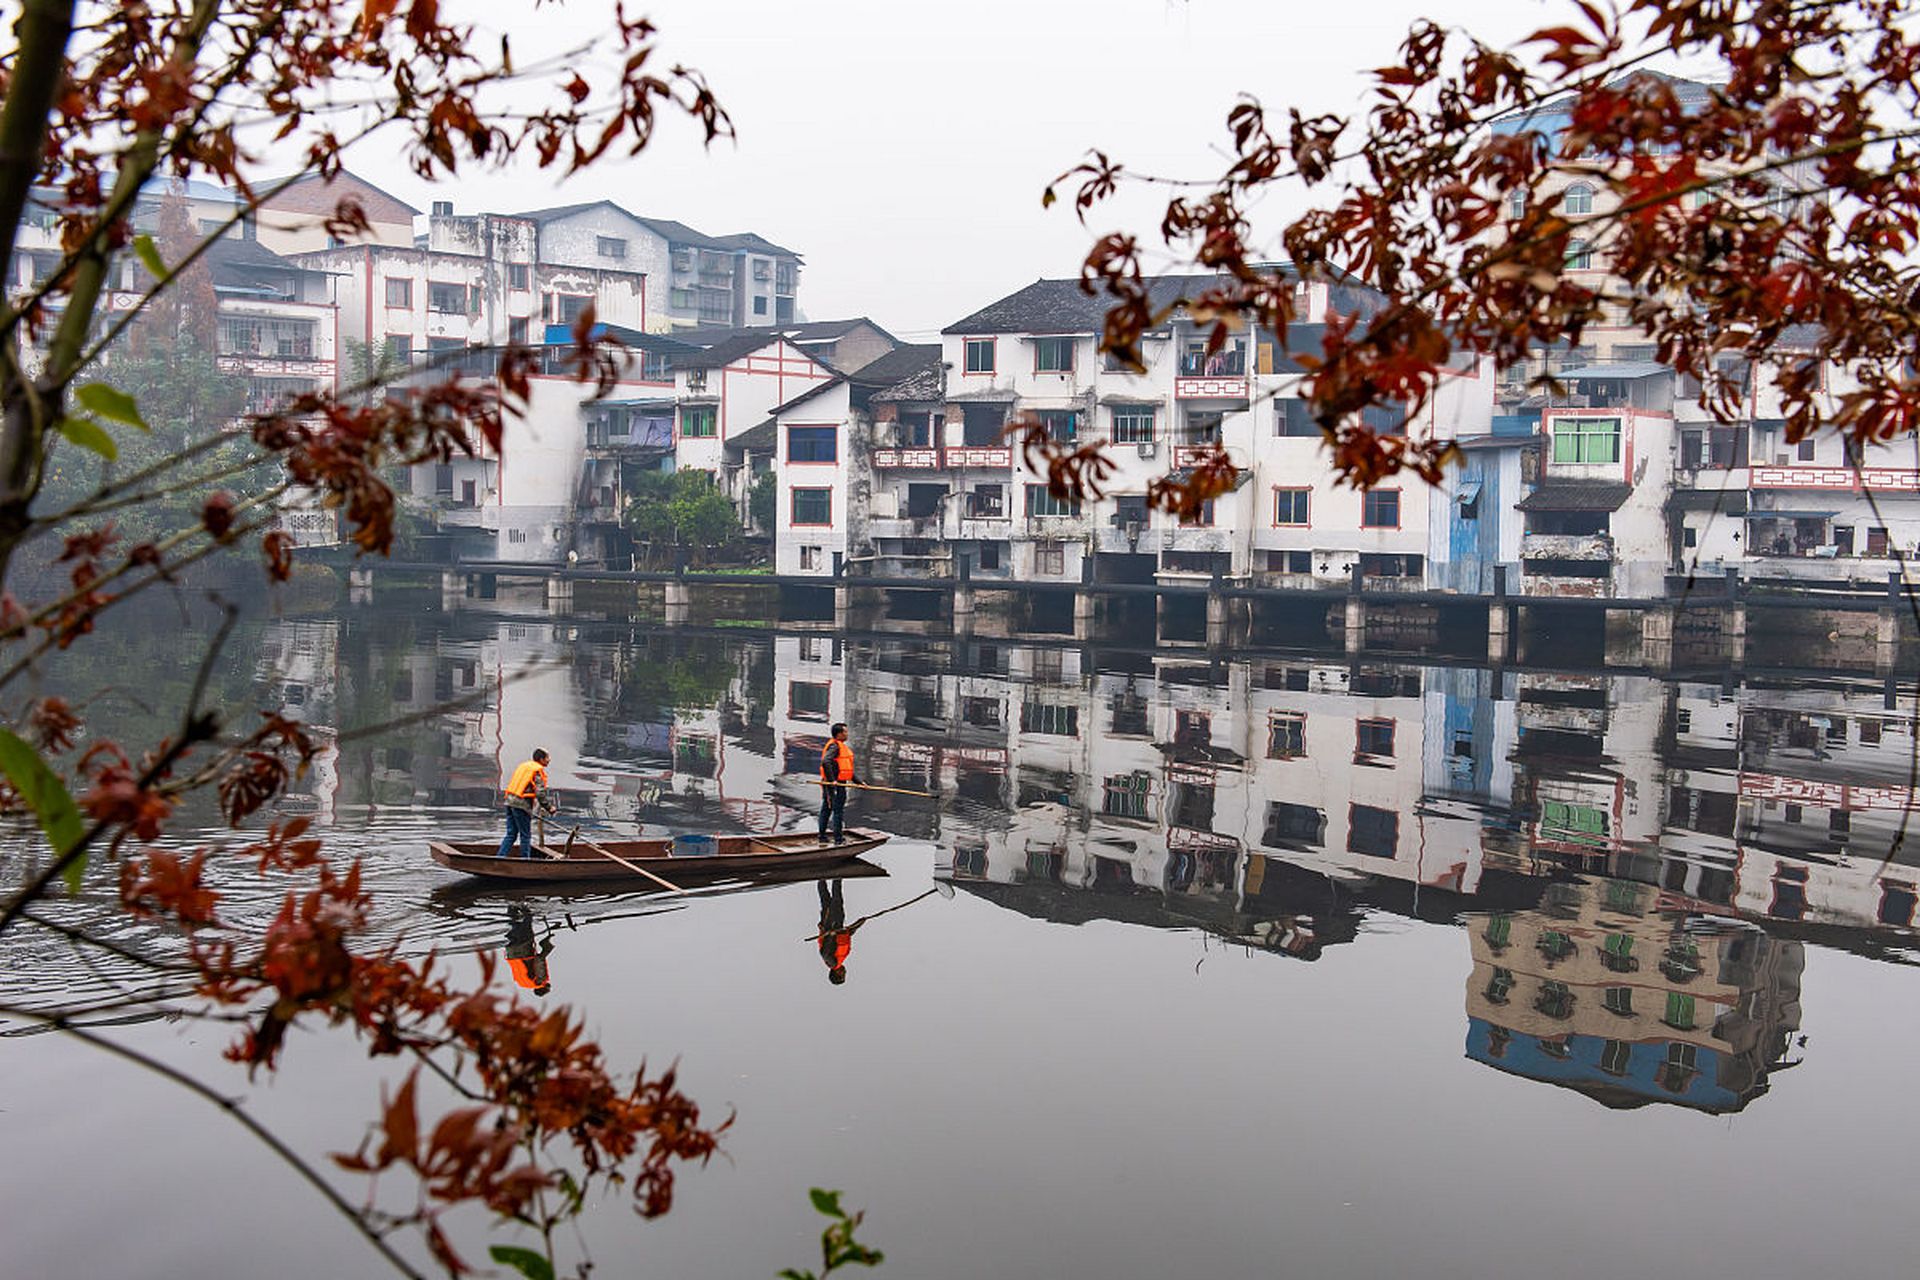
[(836, 771), (526, 791), (526, 958), (836, 936)]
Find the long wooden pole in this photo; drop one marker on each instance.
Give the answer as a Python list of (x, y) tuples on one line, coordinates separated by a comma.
[(862, 786), (662, 881)]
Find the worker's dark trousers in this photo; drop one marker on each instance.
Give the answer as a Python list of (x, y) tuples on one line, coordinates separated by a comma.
[(833, 803)]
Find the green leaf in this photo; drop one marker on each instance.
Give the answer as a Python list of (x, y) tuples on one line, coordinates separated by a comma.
[(827, 1202), (149, 255), (89, 434), (42, 791), (528, 1263), (111, 403)]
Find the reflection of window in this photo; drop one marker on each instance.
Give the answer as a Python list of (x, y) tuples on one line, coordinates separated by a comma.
[(981, 712), (1045, 717), (1555, 999), (809, 701), (1499, 931), (1190, 805), (1575, 823), (1618, 1000), (979, 355), (1286, 735), (1897, 903), (1616, 1057), (1678, 1071), (1499, 986), (1129, 715), (1679, 1013), (1294, 826), (1192, 728), (1125, 796), (1373, 737), (1583, 440), (1374, 832)]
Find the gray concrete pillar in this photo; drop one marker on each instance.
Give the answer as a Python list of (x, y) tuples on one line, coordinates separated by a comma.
[(1219, 621), (842, 607), (453, 583), (1354, 633), (1086, 613), (963, 608), (1499, 632), (1886, 647), (1733, 633), (1656, 638)]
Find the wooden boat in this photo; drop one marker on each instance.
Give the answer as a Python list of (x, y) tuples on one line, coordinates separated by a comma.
[(721, 857)]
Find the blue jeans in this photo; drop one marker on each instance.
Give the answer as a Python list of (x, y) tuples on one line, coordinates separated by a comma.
[(519, 827), (833, 805)]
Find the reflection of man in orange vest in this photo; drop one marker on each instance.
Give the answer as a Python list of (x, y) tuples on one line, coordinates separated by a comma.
[(836, 938), (526, 791), (526, 961), (836, 771)]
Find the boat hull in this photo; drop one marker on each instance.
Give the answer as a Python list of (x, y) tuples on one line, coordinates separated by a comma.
[(733, 856)]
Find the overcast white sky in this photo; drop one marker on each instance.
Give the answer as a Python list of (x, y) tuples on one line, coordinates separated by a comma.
[(900, 146)]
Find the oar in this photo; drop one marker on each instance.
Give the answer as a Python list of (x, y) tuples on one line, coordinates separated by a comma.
[(865, 786), (940, 887), (662, 881)]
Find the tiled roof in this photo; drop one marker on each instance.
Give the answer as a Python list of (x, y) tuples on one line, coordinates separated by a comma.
[(1576, 495)]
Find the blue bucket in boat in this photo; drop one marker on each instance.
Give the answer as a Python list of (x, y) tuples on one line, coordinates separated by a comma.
[(693, 846)]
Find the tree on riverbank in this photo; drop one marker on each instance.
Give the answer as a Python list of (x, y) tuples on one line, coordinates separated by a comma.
[(115, 420), (1779, 200), (682, 511)]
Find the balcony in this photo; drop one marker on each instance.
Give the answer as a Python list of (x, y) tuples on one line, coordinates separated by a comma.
[(1192, 455), (980, 528), (1553, 587), (916, 527), (922, 458), (475, 517), (1567, 546)]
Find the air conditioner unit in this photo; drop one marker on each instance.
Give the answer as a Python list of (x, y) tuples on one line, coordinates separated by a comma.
[(1148, 448)]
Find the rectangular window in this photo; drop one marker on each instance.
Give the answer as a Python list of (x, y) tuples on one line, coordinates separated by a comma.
[(1042, 503), (759, 306), (813, 506), (1373, 737), (399, 292), (1053, 355), (1046, 718), (1374, 832), (1125, 796), (1680, 1011), (979, 355), (1286, 735), (1294, 826), (519, 277), (813, 444), (1806, 451), (447, 299), (809, 701), (1062, 425), (1290, 506), (809, 562), (1616, 1056), (1050, 560), (1876, 542), (990, 555), (1585, 440), (1133, 424), (1380, 509), (1618, 1000), (610, 246), (700, 421), (988, 501), (400, 348), (517, 331), (1292, 419), (982, 713)]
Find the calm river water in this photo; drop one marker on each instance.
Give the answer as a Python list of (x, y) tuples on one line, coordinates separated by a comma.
[(1282, 966)]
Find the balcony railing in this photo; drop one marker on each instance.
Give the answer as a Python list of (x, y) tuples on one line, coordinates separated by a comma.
[(1220, 387), (931, 458), (923, 458), (1192, 455)]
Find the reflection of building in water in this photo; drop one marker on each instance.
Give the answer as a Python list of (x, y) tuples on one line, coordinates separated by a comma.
[(298, 674), (1602, 991)]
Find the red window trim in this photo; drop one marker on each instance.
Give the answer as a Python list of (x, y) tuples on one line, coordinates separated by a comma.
[(1397, 511), (793, 495), (993, 352), (1274, 509), (1073, 353), (787, 459)]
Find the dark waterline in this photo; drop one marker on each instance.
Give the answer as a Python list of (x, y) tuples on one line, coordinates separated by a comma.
[(1289, 966)]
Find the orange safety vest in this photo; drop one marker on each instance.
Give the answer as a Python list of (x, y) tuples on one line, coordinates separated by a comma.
[(836, 761), (520, 974), (842, 946), (528, 780)]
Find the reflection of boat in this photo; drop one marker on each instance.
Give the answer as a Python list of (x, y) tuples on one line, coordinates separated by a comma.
[(677, 859), (584, 897)]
